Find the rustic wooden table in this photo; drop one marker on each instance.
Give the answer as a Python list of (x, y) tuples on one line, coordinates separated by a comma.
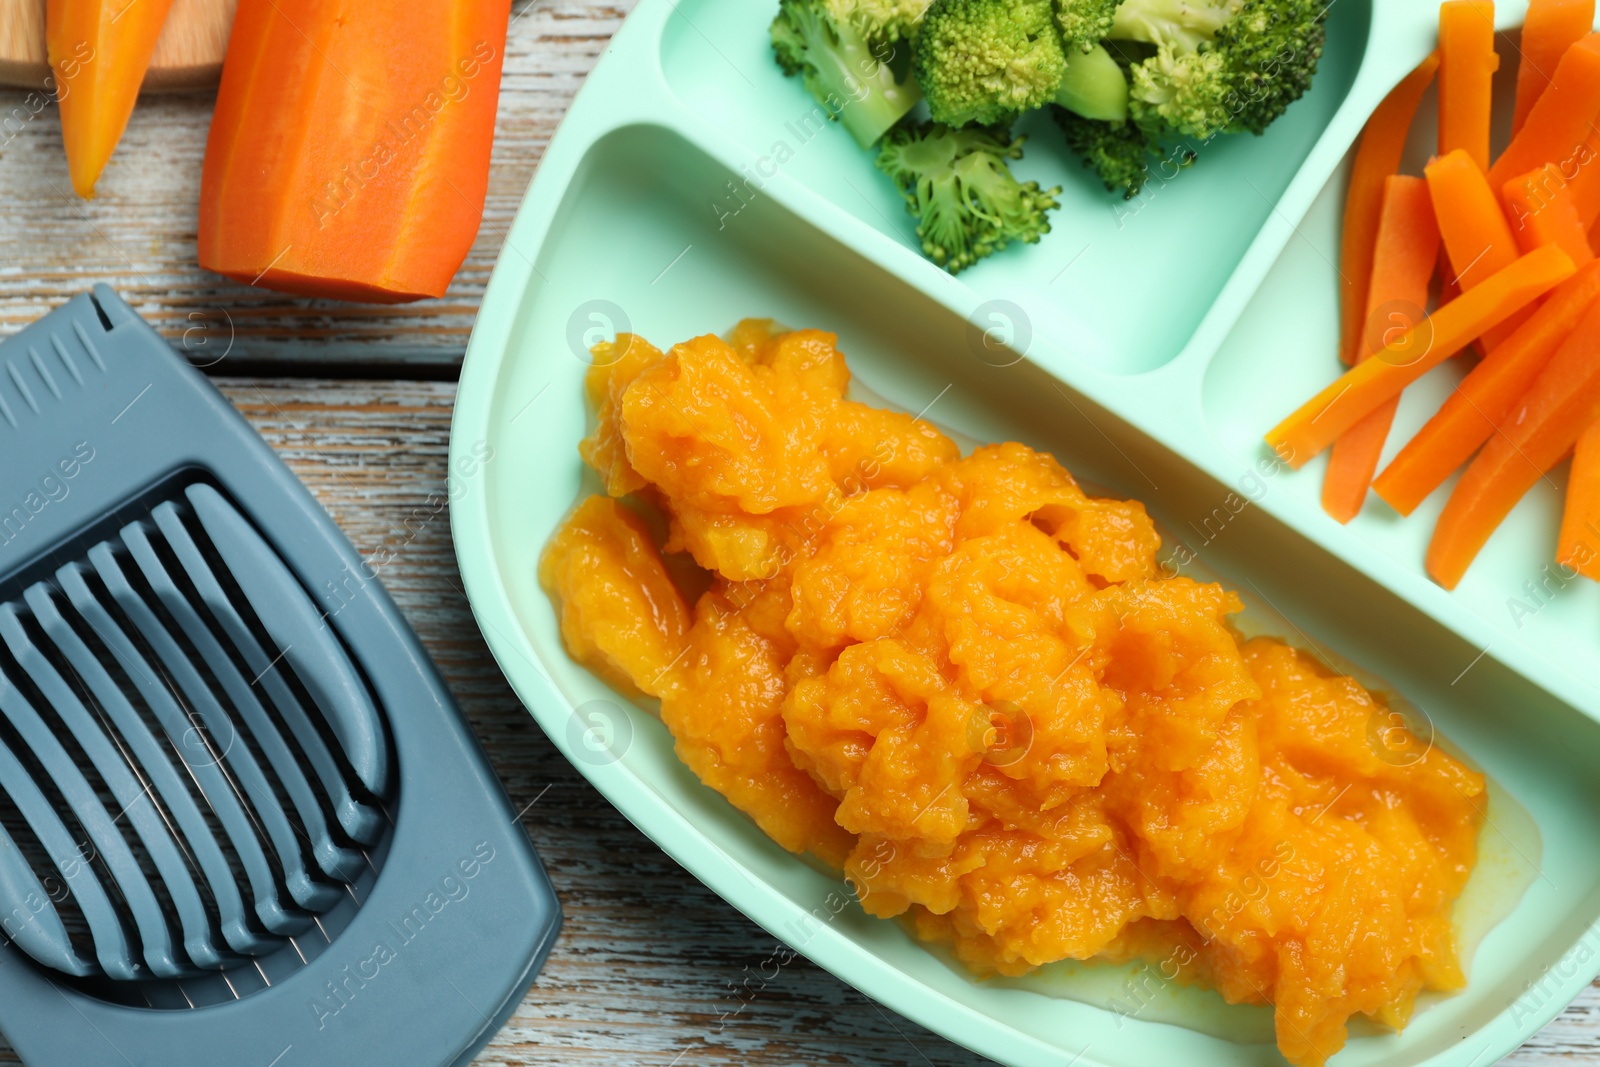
[(651, 967)]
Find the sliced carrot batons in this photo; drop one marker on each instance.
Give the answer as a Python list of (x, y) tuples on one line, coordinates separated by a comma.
[(1377, 157), (1320, 421), (1548, 30), (1402, 268)]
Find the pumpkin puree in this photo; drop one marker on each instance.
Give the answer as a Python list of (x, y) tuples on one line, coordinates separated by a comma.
[(969, 686)]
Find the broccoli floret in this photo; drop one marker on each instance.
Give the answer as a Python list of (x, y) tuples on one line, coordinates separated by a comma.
[(959, 184), (880, 21), (1094, 85), (844, 61), (983, 61), (1183, 24), (1272, 48), (1219, 66), (1085, 23), (1188, 92), (1118, 152)]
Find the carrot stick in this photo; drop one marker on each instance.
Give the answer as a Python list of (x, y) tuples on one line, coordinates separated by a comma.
[(1540, 430), (1352, 460), (98, 52), (1580, 518), (1377, 156), (1471, 221), (1582, 174), (1473, 226), (1485, 396), (1466, 70), (1539, 206), (1558, 124), (1550, 28), (1319, 421), (1402, 268)]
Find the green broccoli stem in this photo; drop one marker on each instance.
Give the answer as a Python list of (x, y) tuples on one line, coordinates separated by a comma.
[(864, 94), (1094, 86)]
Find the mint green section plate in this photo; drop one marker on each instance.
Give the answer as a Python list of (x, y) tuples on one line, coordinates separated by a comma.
[(1149, 364)]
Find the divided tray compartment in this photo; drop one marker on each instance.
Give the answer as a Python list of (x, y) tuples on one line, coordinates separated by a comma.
[(240, 815), (620, 231)]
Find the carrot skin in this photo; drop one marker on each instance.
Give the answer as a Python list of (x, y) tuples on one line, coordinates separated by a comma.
[(1578, 547), (1377, 157), (98, 52), (1560, 122), (1485, 396), (1540, 430), (1403, 263), (1548, 30), (1467, 63), (349, 152), (1318, 422)]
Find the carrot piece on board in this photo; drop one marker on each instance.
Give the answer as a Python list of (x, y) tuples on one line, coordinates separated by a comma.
[(1467, 63), (1485, 396), (98, 51), (1540, 210), (349, 151), (1318, 422), (1473, 226), (1578, 546), (1377, 157), (1540, 430), (1402, 268), (1558, 125), (1548, 30)]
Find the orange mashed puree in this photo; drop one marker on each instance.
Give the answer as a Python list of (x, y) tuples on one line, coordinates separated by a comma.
[(967, 684)]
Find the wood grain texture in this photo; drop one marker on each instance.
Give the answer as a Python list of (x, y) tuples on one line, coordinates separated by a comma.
[(138, 234), (188, 54)]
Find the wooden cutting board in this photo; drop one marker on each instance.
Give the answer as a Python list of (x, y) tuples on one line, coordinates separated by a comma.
[(188, 56)]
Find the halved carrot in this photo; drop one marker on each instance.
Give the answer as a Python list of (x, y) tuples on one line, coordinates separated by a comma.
[(98, 51), (1473, 226), (1402, 268), (1578, 545), (1559, 123), (1539, 208), (1540, 430), (349, 149), (1318, 422), (1377, 157), (1548, 30), (1467, 63), (1485, 396)]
